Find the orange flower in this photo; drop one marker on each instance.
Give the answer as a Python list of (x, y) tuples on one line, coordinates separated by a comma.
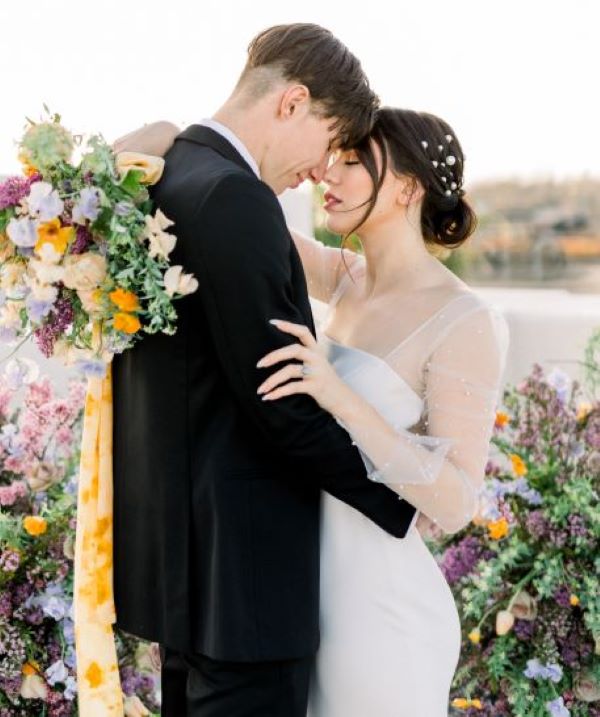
[(30, 668), (125, 300), (501, 419), (518, 465), (54, 234), (35, 524), (28, 168), (574, 600), (127, 323), (498, 528)]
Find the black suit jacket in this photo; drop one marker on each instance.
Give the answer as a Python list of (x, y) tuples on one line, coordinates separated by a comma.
[(216, 534)]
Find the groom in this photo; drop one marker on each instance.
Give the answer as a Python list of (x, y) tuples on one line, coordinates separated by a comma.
[(216, 535)]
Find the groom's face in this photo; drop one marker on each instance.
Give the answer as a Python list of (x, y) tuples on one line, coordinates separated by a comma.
[(301, 150)]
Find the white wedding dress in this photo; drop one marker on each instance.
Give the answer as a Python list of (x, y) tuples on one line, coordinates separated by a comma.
[(390, 631)]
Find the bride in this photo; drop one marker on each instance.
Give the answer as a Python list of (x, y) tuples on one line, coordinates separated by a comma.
[(409, 361)]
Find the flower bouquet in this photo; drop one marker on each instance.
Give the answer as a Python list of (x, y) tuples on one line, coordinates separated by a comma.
[(525, 572), (84, 269), (80, 248)]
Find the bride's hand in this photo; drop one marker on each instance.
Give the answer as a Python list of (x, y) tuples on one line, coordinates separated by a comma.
[(154, 139), (314, 376)]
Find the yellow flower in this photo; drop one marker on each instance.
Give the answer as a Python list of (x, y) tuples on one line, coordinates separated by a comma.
[(30, 668), (475, 636), (518, 464), (54, 235), (498, 528), (574, 600), (463, 704), (501, 419), (583, 410), (128, 323), (150, 166), (125, 300), (35, 525)]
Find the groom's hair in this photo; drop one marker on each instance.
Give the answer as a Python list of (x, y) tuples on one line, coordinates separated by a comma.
[(314, 57)]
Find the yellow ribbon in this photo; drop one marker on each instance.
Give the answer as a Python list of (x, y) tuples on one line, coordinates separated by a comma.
[(99, 686)]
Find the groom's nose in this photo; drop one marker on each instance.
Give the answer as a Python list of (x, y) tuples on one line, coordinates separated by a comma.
[(317, 173)]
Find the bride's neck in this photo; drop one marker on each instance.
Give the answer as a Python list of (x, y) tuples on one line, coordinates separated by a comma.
[(397, 259)]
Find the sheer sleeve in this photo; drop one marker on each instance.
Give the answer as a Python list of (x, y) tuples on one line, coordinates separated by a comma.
[(441, 470), (155, 139), (323, 265)]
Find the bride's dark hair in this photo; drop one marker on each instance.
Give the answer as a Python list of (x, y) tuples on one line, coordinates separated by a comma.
[(424, 147)]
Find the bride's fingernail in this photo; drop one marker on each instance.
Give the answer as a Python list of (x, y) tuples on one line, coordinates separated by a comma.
[(274, 321), (260, 364)]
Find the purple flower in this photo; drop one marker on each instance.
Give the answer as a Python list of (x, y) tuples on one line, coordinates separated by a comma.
[(57, 672), (10, 561), (560, 382), (14, 189), (92, 367), (88, 206), (22, 232), (537, 524), (459, 560), (82, 240), (557, 708), (536, 670)]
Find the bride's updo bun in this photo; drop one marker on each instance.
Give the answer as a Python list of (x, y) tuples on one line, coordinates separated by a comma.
[(424, 147)]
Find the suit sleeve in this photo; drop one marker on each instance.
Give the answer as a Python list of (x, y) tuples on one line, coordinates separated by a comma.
[(241, 257)]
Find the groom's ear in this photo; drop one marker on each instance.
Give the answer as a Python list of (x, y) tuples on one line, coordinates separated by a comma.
[(295, 100)]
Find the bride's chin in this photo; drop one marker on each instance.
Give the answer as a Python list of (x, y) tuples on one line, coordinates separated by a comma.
[(337, 226)]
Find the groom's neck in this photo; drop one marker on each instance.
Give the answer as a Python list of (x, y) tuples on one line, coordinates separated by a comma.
[(248, 125)]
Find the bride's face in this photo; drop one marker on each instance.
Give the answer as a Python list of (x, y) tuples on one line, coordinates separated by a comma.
[(348, 189)]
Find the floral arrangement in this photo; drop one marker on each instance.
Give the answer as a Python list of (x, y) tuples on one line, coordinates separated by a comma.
[(79, 246), (525, 572), (38, 486)]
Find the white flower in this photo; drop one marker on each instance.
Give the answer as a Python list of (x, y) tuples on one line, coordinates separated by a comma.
[(161, 243), (134, 707), (158, 223), (178, 283), (44, 201), (11, 275), (33, 687), (19, 371), (46, 273), (22, 232)]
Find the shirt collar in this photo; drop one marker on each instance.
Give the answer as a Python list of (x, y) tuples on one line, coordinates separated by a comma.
[(233, 139)]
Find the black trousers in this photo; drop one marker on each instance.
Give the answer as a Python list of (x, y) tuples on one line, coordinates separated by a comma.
[(197, 686)]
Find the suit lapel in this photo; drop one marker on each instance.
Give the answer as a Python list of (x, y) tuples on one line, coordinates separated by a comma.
[(209, 138)]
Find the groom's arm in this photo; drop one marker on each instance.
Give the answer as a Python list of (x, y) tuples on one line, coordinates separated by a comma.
[(240, 253)]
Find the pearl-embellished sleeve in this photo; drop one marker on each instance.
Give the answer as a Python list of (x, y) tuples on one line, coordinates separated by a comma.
[(323, 265), (441, 469)]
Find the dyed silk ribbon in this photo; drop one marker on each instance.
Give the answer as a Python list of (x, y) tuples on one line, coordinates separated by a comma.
[(99, 686)]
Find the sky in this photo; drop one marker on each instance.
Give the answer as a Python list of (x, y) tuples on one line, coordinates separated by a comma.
[(518, 80)]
